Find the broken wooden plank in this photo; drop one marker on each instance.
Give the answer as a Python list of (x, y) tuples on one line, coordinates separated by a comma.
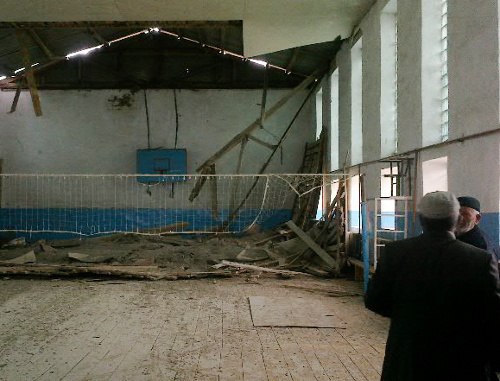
[(257, 268), (16, 98), (132, 272), (137, 272), (199, 183), (313, 245)]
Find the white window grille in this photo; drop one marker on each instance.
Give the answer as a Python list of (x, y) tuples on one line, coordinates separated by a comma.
[(334, 164), (444, 70), (357, 103), (319, 112), (389, 79)]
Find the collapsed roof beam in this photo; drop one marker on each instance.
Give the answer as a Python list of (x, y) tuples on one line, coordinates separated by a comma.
[(256, 124)]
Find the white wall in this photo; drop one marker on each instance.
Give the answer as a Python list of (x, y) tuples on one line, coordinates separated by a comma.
[(80, 132), (473, 66), (473, 56)]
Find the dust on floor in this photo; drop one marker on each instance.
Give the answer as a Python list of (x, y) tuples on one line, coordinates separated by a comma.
[(88, 329)]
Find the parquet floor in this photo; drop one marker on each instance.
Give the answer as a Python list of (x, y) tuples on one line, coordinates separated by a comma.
[(181, 330)]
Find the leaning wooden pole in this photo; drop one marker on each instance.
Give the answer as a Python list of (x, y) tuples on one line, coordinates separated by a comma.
[(263, 168), (256, 124)]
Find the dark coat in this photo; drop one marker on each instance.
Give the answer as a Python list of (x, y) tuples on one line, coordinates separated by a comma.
[(443, 298), (478, 238)]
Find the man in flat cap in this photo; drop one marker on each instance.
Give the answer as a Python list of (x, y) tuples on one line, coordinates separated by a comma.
[(468, 230), (443, 299)]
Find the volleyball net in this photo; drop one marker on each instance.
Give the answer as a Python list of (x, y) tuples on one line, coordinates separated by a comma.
[(88, 205)]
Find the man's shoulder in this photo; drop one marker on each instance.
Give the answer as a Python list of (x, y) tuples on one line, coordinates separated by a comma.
[(471, 251)]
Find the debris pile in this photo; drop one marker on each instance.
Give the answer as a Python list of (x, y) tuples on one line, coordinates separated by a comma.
[(286, 250)]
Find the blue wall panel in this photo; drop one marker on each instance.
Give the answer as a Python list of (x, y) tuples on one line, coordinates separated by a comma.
[(90, 222)]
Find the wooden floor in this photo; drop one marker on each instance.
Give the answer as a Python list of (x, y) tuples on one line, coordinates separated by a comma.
[(181, 330)]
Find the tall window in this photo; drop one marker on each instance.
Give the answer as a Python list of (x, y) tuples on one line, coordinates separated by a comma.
[(444, 70), (388, 83), (434, 72), (319, 112), (356, 103), (388, 188), (435, 175), (334, 164), (353, 204)]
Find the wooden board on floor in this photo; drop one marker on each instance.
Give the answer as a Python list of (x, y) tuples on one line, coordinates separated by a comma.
[(292, 312)]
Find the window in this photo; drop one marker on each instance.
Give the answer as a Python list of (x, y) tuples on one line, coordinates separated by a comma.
[(334, 139), (435, 175), (388, 80), (434, 72), (319, 112), (444, 70), (356, 103), (353, 204), (388, 188)]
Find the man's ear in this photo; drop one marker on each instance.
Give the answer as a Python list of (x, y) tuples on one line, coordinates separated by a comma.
[(478, 218)]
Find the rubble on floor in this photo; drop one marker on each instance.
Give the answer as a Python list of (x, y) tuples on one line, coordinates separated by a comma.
[(285, 251)]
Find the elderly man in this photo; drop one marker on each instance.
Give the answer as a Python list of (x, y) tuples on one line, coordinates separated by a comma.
[(443, 298), (468, 230)]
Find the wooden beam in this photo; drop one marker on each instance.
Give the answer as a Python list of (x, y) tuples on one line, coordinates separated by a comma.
[(30, 77), (257, 268), (199, 184), (261, 142), (256, 124), (10, 81), (264, 166), (313, 245), (16, 98), (264, 97), (240, 156), (41, 44)]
